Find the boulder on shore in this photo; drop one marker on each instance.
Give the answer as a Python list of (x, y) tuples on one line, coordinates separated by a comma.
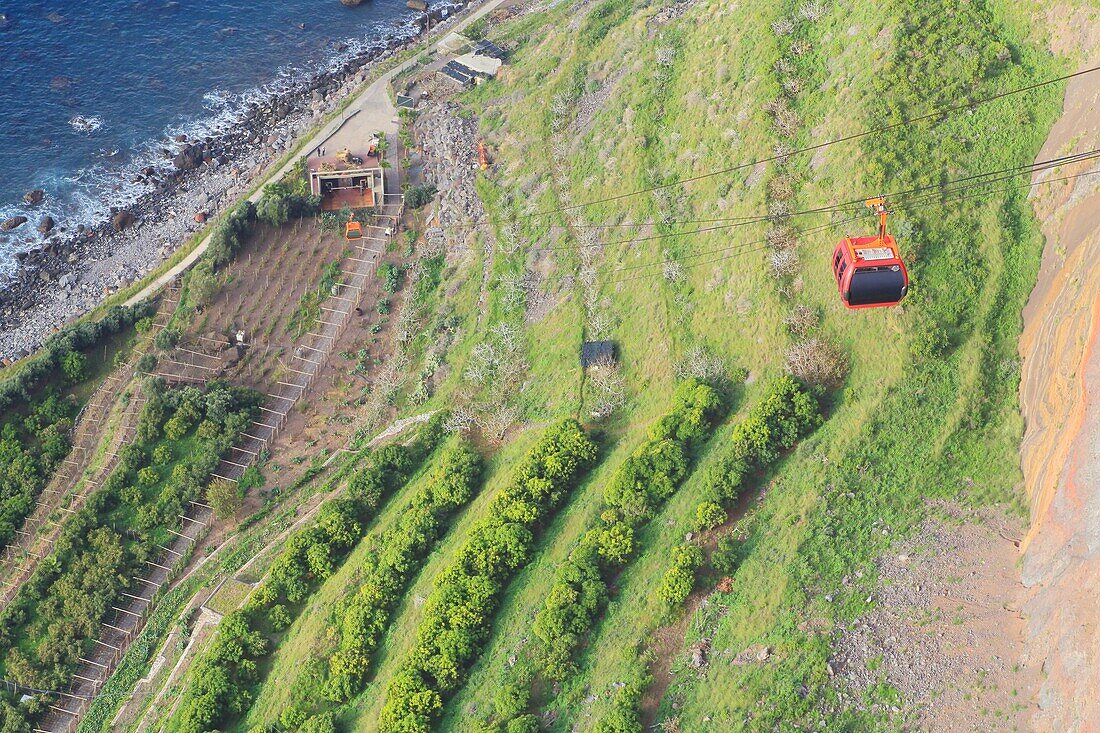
[(122, 220), (189, 158), (35, 197), (46, 225), (12, 223)]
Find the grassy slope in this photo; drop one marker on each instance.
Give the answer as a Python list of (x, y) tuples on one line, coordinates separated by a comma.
[(905, 426), (287, 675), (936, 427)]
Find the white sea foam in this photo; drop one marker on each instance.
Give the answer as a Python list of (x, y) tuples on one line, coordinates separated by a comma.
[(88, 125), (88, 193)]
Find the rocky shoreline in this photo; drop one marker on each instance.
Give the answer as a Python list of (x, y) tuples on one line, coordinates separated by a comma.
[(74, 270)]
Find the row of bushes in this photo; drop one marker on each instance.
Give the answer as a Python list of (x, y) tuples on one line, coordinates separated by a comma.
[(459, 613), (55, 617), (648, 477), (222, 679), (21, 387), (394, 559), (31, 448), (787, 412)]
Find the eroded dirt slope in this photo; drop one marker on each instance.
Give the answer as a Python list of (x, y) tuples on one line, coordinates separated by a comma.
[(1060, 383)]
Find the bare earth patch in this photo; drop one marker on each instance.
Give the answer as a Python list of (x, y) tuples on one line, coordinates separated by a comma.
[(946, 629)]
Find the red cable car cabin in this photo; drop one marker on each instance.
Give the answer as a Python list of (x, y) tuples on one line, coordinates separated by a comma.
[(869, 271)]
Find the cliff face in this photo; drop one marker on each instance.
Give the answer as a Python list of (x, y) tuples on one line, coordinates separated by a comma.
[(1060, 397)]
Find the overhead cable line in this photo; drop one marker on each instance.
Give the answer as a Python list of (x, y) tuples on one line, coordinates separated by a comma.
[(818, 146), (1028, 168), (935, 189), (761, 245)]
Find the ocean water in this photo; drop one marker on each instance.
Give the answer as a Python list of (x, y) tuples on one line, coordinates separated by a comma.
[(90, 89)]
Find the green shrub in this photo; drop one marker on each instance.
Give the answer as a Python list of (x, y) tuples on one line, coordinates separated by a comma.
[(80, 336), (279, 617), (709, 515), (677, 582), (166, 339), (637, 490), (162, 455), (399, 552), (224, 498), (75, 366), (147, 364), (417, 196), (310, 555), (786, 413), (727, 556), (392, 275), (107, 541), (32, 446), (202, 283), (458, 616)]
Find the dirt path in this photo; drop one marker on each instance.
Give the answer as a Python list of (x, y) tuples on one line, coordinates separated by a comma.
[(1060, 376)]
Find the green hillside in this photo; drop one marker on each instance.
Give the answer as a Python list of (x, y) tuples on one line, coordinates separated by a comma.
[(600, 99)]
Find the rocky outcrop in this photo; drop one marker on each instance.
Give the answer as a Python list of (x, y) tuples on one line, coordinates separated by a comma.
[(12, 223), (35, 197), (122, 221), (46, 225), (189, 158)]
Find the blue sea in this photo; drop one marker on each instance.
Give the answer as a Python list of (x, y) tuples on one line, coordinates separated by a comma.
[(89, 89)]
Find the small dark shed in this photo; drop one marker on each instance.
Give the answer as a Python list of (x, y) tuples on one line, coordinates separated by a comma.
[(595, 352)]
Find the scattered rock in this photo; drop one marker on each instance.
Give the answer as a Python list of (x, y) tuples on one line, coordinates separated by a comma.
[(46, 225), (12, 223), (35, 197), (754, 653), (697, 654)]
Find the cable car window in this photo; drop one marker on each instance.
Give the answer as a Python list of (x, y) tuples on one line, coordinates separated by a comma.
[(877, 285)]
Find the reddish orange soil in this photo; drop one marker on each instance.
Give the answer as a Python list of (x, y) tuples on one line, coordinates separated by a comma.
[(1059, 383)]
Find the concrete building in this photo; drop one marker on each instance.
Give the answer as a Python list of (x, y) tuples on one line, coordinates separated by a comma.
[(348, 179)]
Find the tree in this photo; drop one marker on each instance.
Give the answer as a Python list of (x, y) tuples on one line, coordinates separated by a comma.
[(202, 284), (417, 196), (274, 207), (224, 498), (147, 363), (75, 366)]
